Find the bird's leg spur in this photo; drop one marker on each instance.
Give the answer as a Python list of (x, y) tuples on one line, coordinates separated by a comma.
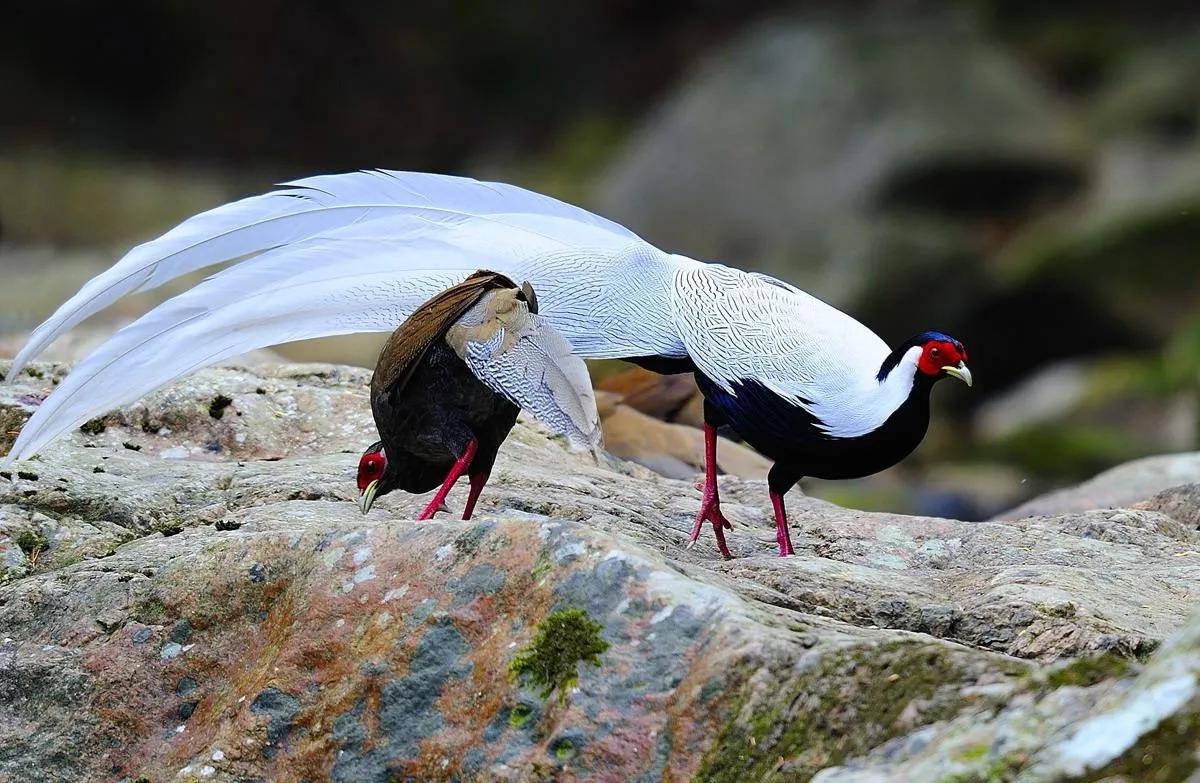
[(477, 482), (710, 501), (460, 466)]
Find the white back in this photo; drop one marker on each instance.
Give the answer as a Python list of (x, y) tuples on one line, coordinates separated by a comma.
[(741, 326)]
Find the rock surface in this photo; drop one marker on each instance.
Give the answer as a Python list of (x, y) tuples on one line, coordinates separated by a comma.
[(206, 603), (1123, 485)]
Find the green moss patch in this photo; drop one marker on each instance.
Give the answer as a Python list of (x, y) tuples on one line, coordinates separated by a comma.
[(1089, 671), (94, 426), (150, 610), (845, 705), (32, 542), (551, 660), (563, 750), (519, 715)]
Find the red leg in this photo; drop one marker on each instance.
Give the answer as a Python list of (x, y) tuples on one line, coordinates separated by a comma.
[(710, 502), (477, 482), (460, 466), (782, 535)]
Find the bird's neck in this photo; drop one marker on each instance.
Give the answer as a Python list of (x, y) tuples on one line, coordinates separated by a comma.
[(906, 383), (877, 395), (899, 379), (900, 367)]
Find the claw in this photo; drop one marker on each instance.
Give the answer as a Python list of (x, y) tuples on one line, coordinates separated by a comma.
[(710, 502), (710, 511)]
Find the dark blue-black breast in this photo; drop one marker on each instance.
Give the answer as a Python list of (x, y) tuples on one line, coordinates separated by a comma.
[(793, 437), (426, 423)]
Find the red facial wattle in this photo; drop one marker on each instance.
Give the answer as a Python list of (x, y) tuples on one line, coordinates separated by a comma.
[(938, 354)]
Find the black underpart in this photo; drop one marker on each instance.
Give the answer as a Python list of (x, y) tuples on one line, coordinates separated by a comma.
[(792, 437), (426, 426)]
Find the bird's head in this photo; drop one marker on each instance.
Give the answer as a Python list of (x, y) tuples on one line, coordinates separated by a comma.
[(372, 467), (942, 355)]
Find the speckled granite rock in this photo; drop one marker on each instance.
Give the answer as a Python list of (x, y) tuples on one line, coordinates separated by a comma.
[(206, 603), (1084, 722)]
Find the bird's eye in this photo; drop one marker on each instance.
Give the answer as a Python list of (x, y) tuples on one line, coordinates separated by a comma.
[(934, 352)]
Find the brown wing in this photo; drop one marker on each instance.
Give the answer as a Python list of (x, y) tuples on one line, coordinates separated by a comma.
[(408, 344)]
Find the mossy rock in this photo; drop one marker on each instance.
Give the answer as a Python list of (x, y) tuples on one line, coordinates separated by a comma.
[(1085, 672), (848, 703), (1167, 754), (1141, 261), (32, 542)]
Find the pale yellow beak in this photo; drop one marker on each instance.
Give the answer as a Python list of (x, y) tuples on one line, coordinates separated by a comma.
[(367, 498), (959, 371)]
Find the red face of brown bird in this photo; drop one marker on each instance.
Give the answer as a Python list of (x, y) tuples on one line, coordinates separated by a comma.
[(371, 467)]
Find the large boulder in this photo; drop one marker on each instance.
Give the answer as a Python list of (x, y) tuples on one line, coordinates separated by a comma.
[(1124, 485), (854, 157), (1128, 246), (1074, 418), (206, 603)]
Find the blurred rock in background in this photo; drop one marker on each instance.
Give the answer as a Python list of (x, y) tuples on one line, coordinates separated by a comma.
[(1024, 176)]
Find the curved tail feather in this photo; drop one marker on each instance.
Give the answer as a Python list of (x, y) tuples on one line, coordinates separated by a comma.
[(351, 253), (303, 209)]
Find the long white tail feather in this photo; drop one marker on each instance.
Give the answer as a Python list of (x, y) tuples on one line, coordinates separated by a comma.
[(310, 274), (305, 208)]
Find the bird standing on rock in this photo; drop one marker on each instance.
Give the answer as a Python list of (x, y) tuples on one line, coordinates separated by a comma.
[(449, 384), (804, 383)]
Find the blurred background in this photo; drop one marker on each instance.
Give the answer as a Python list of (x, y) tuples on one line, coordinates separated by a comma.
[(1022, 175)]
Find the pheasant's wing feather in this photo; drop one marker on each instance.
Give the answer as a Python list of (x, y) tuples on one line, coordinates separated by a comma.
[(407, 345), (519, 355)]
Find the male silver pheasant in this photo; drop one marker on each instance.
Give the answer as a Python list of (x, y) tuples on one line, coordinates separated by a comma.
[(806, 384)]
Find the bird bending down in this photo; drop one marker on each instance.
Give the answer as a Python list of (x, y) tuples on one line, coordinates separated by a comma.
[(449, 384), (802, 382)]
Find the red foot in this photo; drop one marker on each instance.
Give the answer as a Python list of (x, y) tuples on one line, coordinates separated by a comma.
[(710, 503), (460, 466), (782, 535), (710, 511)]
